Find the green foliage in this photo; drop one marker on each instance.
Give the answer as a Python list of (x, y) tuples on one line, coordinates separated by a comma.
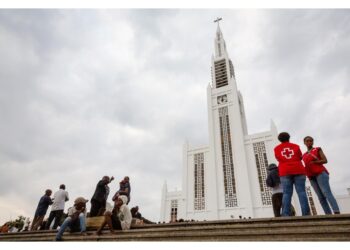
[(18, 223)]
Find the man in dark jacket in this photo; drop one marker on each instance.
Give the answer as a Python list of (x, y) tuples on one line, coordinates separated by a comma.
[(98, 200), (44, 203)]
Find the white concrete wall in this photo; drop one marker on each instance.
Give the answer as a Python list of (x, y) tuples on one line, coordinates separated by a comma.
[(268, 138), (343, 203), (245, 170), (174, 195), (237, 140), (209, 191)]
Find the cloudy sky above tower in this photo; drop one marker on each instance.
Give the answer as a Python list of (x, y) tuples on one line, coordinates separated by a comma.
[(88, 93)]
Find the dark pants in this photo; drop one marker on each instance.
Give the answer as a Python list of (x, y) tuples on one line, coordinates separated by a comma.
[(57, 215), (112, 221), (277, 204), (116, 222), (37, 221), (97, 208)]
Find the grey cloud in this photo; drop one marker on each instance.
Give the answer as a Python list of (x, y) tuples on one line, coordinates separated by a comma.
[(84, 93)]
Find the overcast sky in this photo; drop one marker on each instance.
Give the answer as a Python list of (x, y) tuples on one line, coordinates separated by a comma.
[(87, 93)]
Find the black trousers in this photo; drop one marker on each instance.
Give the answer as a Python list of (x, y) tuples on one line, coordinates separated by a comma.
[(277, 204), (97, 208), (57, 215), (116, 222)]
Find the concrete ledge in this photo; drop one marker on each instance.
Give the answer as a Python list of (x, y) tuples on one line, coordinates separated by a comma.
[(94, 222), (308, 228)]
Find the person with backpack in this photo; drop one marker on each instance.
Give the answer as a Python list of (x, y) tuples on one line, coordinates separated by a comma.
[(273, 181)]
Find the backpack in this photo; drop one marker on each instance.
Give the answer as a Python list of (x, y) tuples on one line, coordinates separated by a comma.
[(270, 182), (273, 180)]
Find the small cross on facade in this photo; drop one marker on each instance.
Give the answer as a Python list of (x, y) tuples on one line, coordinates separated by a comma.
[(217, 20), (287, 153)]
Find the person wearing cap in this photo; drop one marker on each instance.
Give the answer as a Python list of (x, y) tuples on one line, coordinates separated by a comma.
[(44, 203), (273, 181), (292, 173), (57, 208), (119, 218), (76, 218)]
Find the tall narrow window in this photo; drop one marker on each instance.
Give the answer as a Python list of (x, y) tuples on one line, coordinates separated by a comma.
[(227, 159), (173, 212), (199, 186), (219, 48), (261, 165), (220, 73)]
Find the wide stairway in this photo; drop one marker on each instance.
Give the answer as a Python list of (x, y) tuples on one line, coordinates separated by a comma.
[(307, 228)]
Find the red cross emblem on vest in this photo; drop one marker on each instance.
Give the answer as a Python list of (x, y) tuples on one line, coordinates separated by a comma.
[(287, 153)]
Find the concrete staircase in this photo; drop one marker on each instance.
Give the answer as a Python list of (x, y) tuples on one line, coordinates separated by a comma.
[(307, 228)]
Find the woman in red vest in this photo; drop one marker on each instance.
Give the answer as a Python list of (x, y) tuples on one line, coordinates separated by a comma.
[(292, 173), (314, 158)]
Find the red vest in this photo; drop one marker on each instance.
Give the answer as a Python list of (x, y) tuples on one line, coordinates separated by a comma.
[(313, 169), (289, 158)]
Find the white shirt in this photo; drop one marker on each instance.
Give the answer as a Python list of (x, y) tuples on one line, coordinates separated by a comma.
[(73, 210), (59, 198), (109, 207), (125, 217), (277, 189)]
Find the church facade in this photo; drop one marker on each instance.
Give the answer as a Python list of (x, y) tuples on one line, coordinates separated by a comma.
[(225, 179)]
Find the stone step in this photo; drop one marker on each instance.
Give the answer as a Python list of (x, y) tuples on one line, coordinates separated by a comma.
[(247, 226), (262, 221), (308, 228), (207, 235)]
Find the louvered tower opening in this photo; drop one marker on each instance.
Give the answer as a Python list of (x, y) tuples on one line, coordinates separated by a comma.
[(220, 73)]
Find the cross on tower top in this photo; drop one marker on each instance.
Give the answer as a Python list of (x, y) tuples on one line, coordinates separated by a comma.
[(217, 20), (218, 31)]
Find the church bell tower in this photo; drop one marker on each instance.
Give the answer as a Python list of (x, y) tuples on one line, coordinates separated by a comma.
[(227, 128)]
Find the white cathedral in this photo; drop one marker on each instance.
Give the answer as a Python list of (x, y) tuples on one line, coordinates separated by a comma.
[(226, 179)]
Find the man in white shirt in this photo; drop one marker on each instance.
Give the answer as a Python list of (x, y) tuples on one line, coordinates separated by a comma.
[(57, 208)]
